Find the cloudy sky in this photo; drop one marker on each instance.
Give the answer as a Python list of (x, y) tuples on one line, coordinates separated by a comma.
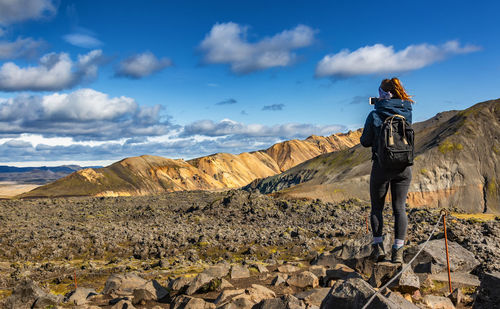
[(91, 82)]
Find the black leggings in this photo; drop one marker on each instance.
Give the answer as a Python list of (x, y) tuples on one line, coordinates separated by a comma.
[(399, 180)]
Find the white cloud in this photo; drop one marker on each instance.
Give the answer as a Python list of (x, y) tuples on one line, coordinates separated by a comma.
[(227, 44), (86, 105), (229, 127), (142, 65), (12, 11), (84, 115), (20, 48), (84, 40), (54, 72), (379, 58)]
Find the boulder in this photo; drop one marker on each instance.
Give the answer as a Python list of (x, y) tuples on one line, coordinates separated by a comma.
[(318, 270), (279, 279), (340, 271), (27, 294), (355, 293), (303, 280), (239, 272), (314, 296), (437, 302), (225, 284), (188, 302), (261, 268), (218, 271), (283, 302), (227, 294), (79, 296), (383, 272), (123, 304), (287, 268), (488, 294), (151, 291), (258, 292), (457, 279), (198, 282), (179, 283), (353, 253), (407, 282), (456, 296), (123, 285), (433, 257)]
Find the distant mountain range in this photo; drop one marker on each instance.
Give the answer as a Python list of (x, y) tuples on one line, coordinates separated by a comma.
[(151, 174), (457, 164), (35, 175)]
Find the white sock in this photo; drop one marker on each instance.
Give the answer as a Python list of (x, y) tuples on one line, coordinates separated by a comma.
[(398, 243), (378, 240)]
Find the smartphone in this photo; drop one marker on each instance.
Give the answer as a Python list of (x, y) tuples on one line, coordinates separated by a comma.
[(372, 100)]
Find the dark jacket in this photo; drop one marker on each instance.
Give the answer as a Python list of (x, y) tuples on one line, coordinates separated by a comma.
[(383, 109)]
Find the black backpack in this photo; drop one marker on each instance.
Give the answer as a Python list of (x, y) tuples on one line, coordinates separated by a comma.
[(395, 145)]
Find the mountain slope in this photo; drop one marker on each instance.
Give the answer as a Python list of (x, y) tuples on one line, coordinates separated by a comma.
[(151, 174), (457, 164)]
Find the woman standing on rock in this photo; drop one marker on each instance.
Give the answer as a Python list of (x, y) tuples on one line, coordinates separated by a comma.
[(393, 100)]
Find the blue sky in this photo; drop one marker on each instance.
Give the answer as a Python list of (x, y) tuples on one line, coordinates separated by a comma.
[(91, 82)]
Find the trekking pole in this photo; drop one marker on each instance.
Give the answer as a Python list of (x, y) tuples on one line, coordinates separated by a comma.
[(76, 286), (367, 229), (444, 213)]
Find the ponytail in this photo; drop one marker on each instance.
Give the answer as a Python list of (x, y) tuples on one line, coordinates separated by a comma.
[(395, 87)]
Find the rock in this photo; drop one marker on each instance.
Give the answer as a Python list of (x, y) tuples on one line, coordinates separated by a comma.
[(383, 272), (354, 253), (303, 280), (123, 304), (27, 294), (123, 285), (433, 257), (47, 301), (227, 294), (279, 279), (326, 259), (188, 302), (261, 268), (180, 282), (437, 302), (239, 272), (287, 268), (284, 302), (407, 282), (218, 271), (314, 296), (340, 271), (318, 270), (225, 284), (355, 293), (258, 292), (457, 278), (198, 282), (456, 296), (488, 294), (80, 295)]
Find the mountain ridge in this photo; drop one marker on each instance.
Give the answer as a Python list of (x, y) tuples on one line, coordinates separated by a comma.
[(152, 174), (456, 165)]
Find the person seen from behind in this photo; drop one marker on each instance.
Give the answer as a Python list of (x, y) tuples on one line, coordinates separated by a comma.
[(393, 100)]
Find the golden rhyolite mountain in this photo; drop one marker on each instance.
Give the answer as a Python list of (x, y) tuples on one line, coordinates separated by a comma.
[(151, 174), (457, 164)]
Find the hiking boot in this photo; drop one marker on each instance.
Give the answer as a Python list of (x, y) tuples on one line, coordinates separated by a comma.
[(397, 255), (378, 253)]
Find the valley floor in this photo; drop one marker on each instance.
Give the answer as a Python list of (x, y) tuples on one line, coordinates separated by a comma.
[(162, 237)]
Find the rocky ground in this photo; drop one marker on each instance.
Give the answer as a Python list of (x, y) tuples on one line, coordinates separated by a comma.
[(228, 250)]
